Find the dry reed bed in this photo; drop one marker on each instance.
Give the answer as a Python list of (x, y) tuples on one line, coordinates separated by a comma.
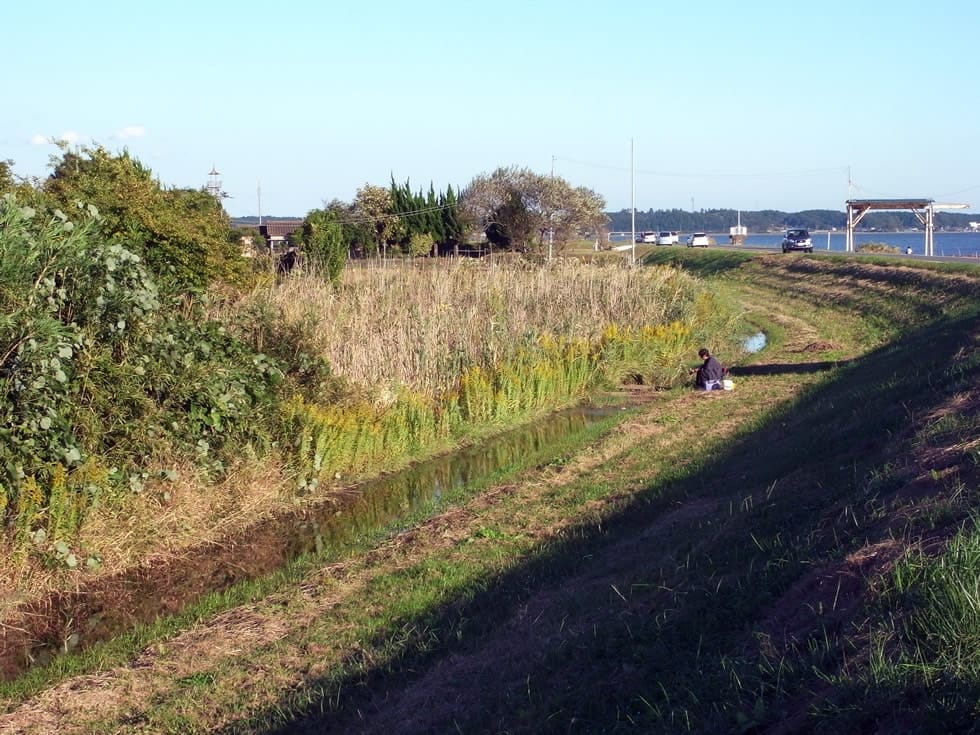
[(419, 325)]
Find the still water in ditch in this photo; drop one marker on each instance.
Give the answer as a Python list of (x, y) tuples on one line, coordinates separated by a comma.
[(754, 342), (382, 502), (109, 607)]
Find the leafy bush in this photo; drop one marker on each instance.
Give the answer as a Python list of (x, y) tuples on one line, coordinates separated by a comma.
[(322, 238), (97, 370), (62, 292), (180, 234)]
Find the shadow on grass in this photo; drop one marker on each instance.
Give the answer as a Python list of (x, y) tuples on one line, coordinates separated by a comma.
[(787, 368), (673, 648)]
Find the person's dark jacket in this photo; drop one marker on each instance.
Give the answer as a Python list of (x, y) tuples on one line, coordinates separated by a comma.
[(710, 370)]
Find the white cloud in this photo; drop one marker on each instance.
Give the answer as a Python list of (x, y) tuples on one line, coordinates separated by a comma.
[(69, 136), (131, 131)]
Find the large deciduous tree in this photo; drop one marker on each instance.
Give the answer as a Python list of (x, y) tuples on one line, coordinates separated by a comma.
[(577, 211), (519, 209), (373, 204)]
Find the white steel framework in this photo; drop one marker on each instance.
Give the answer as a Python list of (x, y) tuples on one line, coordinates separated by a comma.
[(923, 209)]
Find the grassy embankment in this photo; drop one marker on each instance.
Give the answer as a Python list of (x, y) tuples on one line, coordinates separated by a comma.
[(786, 557)]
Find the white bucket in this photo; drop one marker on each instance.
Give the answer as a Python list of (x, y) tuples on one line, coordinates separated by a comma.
[(728, 385)]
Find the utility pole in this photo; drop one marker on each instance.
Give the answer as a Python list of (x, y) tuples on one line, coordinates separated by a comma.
[(632, 206), (551, 211)]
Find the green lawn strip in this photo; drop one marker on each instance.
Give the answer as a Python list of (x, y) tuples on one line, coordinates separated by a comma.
[(696, 647), (914, 380)]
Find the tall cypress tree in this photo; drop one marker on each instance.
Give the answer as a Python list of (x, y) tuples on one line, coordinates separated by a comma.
[(452, 225), (433, 215)]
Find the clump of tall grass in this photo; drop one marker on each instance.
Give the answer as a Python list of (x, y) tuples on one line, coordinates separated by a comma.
[(938, 609), (876, 247), (924, 652)]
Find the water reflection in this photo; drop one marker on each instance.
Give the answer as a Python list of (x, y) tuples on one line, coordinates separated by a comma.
[(754, 342), (383, 501)]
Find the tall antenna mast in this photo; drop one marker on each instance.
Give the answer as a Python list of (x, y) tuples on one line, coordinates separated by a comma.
[(214, 184)]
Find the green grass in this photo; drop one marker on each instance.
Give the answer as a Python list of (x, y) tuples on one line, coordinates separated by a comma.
[(709, 262), (923, 672), (797, 487)]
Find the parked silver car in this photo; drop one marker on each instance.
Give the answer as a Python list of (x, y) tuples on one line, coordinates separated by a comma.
[(698, 240), (797, 239)]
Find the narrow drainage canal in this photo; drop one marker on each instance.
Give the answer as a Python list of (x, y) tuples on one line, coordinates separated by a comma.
[(383, 501), (68, 621)]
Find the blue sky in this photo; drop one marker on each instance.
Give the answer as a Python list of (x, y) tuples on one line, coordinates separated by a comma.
[(748, 105)]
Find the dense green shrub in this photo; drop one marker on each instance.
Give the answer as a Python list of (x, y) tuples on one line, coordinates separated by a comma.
[(322, 239), (62, 292), (180, 234), (98, 370)]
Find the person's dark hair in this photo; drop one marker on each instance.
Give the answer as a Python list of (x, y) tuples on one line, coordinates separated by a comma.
[(703, 352)]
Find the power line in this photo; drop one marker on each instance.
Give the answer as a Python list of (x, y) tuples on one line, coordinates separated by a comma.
[(960, 191), (682, 174), (397, 215)]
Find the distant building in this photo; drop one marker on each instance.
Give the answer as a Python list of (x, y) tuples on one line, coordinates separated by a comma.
[(277, 232)]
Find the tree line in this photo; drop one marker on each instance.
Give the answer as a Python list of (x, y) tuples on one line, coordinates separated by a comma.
[(185, 236), (511, 208)]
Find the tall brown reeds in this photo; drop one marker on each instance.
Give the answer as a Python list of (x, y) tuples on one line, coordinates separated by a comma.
[(422, 326)]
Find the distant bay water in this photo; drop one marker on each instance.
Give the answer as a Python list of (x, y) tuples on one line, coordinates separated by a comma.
[(945, 244)]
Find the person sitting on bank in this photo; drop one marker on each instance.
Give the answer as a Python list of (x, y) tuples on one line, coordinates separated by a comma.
[(711, 372)]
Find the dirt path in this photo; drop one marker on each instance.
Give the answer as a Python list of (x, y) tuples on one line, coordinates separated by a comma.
[(265, 641)]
